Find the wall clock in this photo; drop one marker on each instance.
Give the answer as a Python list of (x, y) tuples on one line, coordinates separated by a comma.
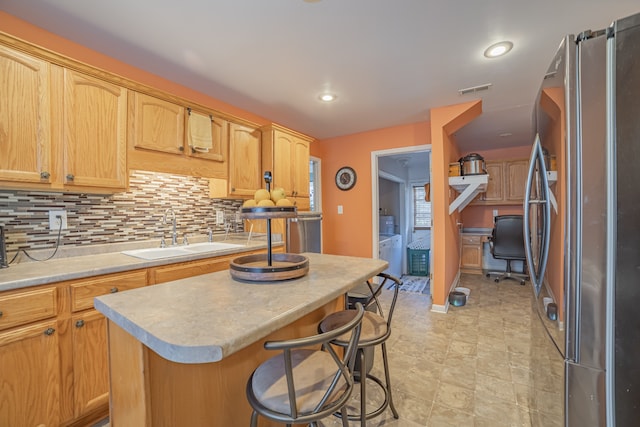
[(345, 178)]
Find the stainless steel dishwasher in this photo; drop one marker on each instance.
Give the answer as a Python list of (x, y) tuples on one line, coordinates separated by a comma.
[(304, 233)]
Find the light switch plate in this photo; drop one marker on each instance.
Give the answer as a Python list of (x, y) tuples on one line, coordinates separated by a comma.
[(340, 210), (219, 217)]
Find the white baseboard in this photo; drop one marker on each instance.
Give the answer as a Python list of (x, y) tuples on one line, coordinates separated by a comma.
[(437, 308)]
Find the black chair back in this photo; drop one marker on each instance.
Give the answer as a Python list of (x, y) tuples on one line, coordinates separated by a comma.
[(508, 237)]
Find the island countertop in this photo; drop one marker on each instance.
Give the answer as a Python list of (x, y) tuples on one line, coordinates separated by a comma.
[(209, 317)]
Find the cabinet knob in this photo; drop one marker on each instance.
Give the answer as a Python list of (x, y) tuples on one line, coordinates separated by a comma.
[(0, 313), (49, 331), (80, 323), (233, 189), (114, 290), (70, 177), (45, 175), (181, 148)]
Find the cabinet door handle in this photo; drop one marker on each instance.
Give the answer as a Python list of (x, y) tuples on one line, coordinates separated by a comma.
[(114, 290), (45, 175), (80, 323), (49, 331), (70, 177)]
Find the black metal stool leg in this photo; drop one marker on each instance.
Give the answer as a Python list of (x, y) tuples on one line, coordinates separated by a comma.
[(387, 380), (363, 387)]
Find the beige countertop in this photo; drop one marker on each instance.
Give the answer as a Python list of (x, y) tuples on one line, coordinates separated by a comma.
[(206, 318), (103, 259)]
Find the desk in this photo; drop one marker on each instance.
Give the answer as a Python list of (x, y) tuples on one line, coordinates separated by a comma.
[(181, 352)]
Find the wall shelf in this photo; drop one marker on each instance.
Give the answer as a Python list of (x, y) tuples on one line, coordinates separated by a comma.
[(552, 177), (468, 187)]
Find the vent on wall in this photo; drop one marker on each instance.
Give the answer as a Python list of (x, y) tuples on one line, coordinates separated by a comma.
[(474, 89)]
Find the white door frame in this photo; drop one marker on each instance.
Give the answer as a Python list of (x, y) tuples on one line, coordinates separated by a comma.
[(375, 205)]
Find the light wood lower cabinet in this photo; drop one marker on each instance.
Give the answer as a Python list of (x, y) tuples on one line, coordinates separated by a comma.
[(471, 259), (30, 375), (53, 345), (90, 365)]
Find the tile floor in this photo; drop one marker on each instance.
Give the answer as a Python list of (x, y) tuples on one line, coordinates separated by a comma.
[(484, 364)]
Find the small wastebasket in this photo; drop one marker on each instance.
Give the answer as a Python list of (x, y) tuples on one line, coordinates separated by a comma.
[(361, 294)]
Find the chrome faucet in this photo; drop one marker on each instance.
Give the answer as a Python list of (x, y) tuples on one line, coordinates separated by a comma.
[(174, 234)]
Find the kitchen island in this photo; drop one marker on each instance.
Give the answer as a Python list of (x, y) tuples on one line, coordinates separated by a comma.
[(180, 353)]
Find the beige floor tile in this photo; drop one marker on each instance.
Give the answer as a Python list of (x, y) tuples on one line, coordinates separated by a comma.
[(443, 416), (455, 397)]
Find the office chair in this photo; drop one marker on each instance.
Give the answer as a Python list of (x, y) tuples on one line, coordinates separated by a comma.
[(507, 243)]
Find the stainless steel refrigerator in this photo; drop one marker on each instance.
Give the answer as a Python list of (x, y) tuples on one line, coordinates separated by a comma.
[(582, 222)]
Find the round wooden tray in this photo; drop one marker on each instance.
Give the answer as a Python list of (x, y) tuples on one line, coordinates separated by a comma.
[(268, 212), (255, 267)]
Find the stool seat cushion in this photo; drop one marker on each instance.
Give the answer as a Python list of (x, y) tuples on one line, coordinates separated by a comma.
[(374, 326), (313, 372)]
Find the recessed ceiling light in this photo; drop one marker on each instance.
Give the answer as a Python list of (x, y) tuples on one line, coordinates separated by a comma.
[(327, 97), (498, 49)]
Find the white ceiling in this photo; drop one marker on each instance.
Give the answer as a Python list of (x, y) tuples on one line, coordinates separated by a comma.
[(388, 61)]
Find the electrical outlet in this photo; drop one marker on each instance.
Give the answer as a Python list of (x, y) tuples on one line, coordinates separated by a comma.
[(55, 218), (219, 217), (495, 213), (340, 210)]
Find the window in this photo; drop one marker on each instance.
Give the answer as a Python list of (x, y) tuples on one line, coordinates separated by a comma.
[(421, 209)]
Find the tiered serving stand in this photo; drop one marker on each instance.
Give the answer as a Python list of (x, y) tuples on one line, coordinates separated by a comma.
[(269, 267)]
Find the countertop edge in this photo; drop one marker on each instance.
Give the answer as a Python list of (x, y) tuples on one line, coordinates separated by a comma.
[(215, 352)]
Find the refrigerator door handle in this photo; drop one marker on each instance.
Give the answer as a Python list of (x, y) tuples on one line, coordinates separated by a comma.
[(536, 272)]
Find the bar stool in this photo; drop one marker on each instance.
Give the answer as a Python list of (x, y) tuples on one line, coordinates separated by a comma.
[(376, 329), (301, 385)]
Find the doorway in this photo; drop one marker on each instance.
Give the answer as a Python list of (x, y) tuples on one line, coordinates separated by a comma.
[(395, 174)]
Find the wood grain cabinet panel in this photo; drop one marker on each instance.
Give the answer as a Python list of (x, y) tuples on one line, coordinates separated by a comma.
[(30, 379), (471, 258), (90, 364), (286, 154), (244, 160), (94, 132), (22, 307), (83, 292), (516, 180), (507, 181), (157, 125), (25, 111)]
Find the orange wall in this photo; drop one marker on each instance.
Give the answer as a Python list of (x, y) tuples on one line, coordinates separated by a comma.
[(28, 32), (350, 233), (445, 121)]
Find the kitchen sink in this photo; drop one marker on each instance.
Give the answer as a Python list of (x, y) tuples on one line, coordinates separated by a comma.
[(210, 247), (173, 251)]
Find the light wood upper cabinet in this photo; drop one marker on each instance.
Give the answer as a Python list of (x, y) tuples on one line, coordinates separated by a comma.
[(286, 154), (25, 111), (244, 160), (94, 133), (156, 124), (495, 189), (507, 180), (162, 126), (516, 179)]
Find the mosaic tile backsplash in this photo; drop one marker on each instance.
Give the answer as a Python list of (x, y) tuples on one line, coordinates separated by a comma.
[(122, 217)]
